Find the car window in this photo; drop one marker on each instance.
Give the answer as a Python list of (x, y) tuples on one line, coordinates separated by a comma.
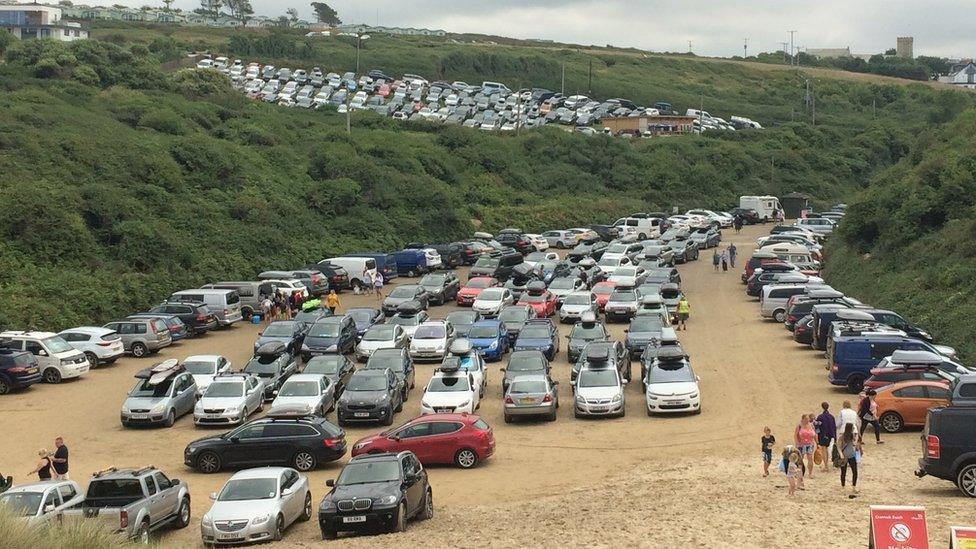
[(409, 468), (938, 392), (33, 347), (279, 430), (414, 431), (52, 499), (289, 478), (967, 390), (914, 391), (67, 491), (445, 427), (140, 328), (251, 431), (150, 485), (162, 481), (882, 350)]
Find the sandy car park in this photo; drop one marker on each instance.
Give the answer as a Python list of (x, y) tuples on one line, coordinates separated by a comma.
[(636, 481)]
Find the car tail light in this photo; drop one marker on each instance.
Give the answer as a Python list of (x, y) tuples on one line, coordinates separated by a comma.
[(932, 449), (152, 326), (201, 317), (105, 343), (508, 400), (333, 443), (17, 370), (547, 398), (123, 519), (835, 368)]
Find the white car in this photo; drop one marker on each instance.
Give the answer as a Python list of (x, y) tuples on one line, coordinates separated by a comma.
[(205, 368), (450, 392), (672, 385), (576, 304), (409, 322), (381, 336), (599, 393), (311, 394), (100, 345), (491, 301), (471, 362), (257, 505), (41, 502), (56, 359), (722, 220), (628, 277), (290, 287), (205, 64), (535, 257), (610, 265), (560, 239), (229, 400), (431, 340), (540, 242), (433, 258)]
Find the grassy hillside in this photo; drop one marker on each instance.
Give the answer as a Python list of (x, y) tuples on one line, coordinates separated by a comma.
[(123, 181), (909, 239)]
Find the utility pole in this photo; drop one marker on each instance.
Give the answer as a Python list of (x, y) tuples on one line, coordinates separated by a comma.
[(792, 55), (813, 105), (745, 48), (359, 42), (518, 109), (348, 114), (563, 88), (784, 50), (689, 46), (589, 85)]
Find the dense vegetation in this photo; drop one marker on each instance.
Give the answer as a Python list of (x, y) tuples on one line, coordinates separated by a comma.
[(909, 240), (124, 180), (919, 68), (90, 534)]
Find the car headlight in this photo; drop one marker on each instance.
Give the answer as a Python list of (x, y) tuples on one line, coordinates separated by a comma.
[(425, 404), (616, 398), (360, 445), (924, 334), (333, 348), (159, 408), (465, 403), (207, 521), (327, 504), (232, 409), (305, 347), (579, 398), (198, 407), (260, 520), (385, 397), (493, 346), (387, 500)]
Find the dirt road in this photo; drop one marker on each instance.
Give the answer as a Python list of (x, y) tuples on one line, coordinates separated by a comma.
[(634, 481)]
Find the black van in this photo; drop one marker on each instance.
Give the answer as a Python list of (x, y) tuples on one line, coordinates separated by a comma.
[(949, 447), (498, 266)]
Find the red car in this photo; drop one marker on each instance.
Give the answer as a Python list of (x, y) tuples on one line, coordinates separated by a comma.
[(461, 439), (882, 377), (471, 290), (602, 290), (543, 303)]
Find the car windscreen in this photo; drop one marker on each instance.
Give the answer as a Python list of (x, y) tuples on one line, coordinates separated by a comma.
[(535, 332), (671, 375), (300, 389), (562, 284), (486, 262), (588, 331), (528, 387), (534, 298), (483, 332), (409, 320), (325, 329), (262, 365), (478, 283), (379, 362), (514, 314), (578, 299), (609, 261), (383, 332), (326, 365), (448, 385), (670, 293), (433, 280), (369, 472), (21, 504), (646, 323), (492, 294), (200, 367), (603, 290), (624, 296), (430, 331), (361, 316), (598, 378), (403, 292), (529, 362), (616, 249), (144, 389), (225, 390), (57, 344), (461, 318), (245, 489), (626, 271)]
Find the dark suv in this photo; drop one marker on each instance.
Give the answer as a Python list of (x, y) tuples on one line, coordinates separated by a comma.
[(18, 370), (334, 334), (302, 443), (273, 364), (949, 447), (370, 395), (441, 287), (496, 266), (515, 238), (196, 316), (376, 493)]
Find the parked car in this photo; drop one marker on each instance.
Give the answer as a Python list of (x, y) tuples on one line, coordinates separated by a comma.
[(177, 330), (405, 294), (906, 403), (396, 486), (56, 359), (224, 304), (450, 390), (490, 338), (304, 395), (141, 337), (290, 333), (530, 396), (467, 295), (599, 393), (435, 439), (462, 321), (370, 395), (18, 370), (273, 365), (538, 334), (337, 368), (399, 362), (542, 301), (302, 443), (100, 345), (603, 291), (334, 334), (431, 340), (42, 502), (496, 266), (851, 358), (671, 385), (441, 287), (622, 304), (491, 300), (229, 399), (257, 505), (161, 395), (381, 336), (409, 316), (365, 318), (949, 447)]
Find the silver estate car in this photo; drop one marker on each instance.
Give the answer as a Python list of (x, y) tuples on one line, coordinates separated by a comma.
[(310, 394), (257, 505), (162, 394), (229, 399), (41, 502), (532, 395)]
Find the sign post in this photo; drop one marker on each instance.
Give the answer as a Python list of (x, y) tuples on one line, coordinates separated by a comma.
[(962, 537), (895, 527)]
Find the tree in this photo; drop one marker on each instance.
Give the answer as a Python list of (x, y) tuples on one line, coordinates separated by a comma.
[(211, 7), (891, 51), (168, 3), (325, 14), (292, 15), (241, 10)]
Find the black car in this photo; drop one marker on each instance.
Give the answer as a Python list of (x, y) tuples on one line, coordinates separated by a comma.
[(471, 251), (273, 364), (513, 318), (598, 355), (302, 443), (398, 361), (949, 447), (376, 493), (684, 250), (452, 255), (643, 329), (337, 368), (365, 318), (18, 370), (749, 216), (307, 317), (498, 265), (587, 248), (606, 232), (515, 238), (288, 332), (335, 334), (197, 317), (338, 276), (583, 332), (370, 395), (663, 275), (405, 294), (521, 363), (441, 287), (462, 321)]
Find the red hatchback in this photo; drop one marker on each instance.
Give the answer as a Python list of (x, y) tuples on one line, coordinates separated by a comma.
[(461, 439), (882, 377), (471, 290), (543, 303), (602, 291)]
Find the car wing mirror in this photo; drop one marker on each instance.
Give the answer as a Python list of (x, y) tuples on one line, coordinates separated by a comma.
[(49, 509), (235, 439), (286, 492), (697, 378), (213, 495), (330, 483)]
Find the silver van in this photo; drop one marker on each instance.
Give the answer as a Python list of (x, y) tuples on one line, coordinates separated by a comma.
[(774, 298), (250, 294), (56, 359), (225, 304)]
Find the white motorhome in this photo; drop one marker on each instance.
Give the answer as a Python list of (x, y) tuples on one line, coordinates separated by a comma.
[(766, 206), (645, 227)]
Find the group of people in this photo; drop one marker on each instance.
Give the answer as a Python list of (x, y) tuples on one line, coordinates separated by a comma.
[(372, 281), (52, 465), (725, 258), (281, 305), (824, 440)]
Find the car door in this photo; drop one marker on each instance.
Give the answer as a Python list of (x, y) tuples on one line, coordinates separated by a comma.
[(168, 496), (935, 397), (187, 396), (156, 504), (253, 393), (53, 501), (911, 403), (44, 359), (416, 438), (328, 394), (293, 503), (250, 446), (442, 442), (412, 481)]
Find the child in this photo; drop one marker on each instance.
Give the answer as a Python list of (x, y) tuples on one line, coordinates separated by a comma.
[(767, 449), (793, 471)]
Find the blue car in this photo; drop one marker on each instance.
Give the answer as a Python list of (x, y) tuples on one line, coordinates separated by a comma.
[(539, 335), (365, 318), (289, 333), (489, 338)]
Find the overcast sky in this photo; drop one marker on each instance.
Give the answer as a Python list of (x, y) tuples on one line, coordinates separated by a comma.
[(940, 27)]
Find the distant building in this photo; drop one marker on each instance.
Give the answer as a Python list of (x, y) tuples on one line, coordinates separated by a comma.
[(962, 74), (159, 15), (402, 31), (822, 53), (654, 125), (905, 47), (31, 21)]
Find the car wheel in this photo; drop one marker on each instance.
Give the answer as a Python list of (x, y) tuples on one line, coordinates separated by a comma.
[(139, 350), (779, 315), (328, 533), (4, 386), (208, 462), (142, 533), (92, 360), (307, 510), (891, 422), (966, 479), (388, 420), (465, 458), (648, 410), (401, 523), (855, 384), (552, 414), (508, 418), (279, 528), (428, 512), (304, 461), (411, 273), (184, 514), (52, 375), (170, 418)]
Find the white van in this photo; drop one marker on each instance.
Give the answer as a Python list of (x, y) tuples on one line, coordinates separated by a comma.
[(796, 254), (698, 114), (224, 304), (56, 359), (489, 88), (646, 227), (355, 266), (766, 206)]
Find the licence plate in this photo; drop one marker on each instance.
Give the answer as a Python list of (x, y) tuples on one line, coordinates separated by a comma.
[(139, 416), (359, 518), (598, 408), (528, 400), (675, 402), (443, 410), (361, 414), (227, 536), (213, 416)]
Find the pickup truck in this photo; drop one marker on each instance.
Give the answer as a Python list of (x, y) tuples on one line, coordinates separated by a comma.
[(134, 502)]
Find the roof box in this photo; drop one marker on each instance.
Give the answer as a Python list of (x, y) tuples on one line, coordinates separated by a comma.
[(826, 294), (854, 314), (461, 347), (536, 287), (671, 353), (907, 358), (450, 364), (271, 348), (483, 236), (161, 371), (597, 353)]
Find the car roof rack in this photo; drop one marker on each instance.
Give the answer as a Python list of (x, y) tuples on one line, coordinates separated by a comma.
[(161, 371), (104, 472)]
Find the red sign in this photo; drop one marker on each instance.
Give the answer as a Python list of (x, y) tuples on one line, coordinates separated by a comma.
[(898, 528), (962, 537)]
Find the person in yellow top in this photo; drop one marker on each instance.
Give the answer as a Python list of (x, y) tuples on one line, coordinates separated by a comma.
[(332, 301), (683, 309)]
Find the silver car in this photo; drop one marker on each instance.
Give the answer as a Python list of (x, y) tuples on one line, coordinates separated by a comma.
[(163, 393), (230, 399), (257, 505), (205, 368), (308, 394), (142, 336), (577, 304), (41, 502), (599, 393), (381, 336), (532, 395)]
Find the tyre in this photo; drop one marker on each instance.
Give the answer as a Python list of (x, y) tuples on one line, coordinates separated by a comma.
[(279, 528), (183, 515), (52, 375), (779, 315), (508, 418), (966, 479), (142, 533), (401, 523), (399, 407), (427, 512), (855, 384), (465, 458), (891, 422), (92, 360), (4, 386), (139, 350), (170, 418), (208, 462), (649, 414), (552, 415), (388, 420), (304, 461), (412, 273), (328, 533), (307, 510), (642, 236)]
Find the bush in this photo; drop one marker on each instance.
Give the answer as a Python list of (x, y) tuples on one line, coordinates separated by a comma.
[(163, 120), (200, 83)]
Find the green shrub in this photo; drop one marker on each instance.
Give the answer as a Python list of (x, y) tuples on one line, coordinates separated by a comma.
[(163, 120)]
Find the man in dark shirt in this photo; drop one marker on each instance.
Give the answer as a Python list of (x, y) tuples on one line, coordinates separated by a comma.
[(826, 432), (60, 459)]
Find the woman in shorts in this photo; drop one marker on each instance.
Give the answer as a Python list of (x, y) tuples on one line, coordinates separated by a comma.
[(805, 438)]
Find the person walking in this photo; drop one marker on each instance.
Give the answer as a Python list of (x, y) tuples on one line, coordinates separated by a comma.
[(849, 447), (716, 259), (805, 438), (725, 261), (367, 282), (332, 301), (684, 309), (846, 416), (768, 440), (826, 433), (378, 285), (737, 223), (60, 460), (43, 467), (868, 413), (732, 253)]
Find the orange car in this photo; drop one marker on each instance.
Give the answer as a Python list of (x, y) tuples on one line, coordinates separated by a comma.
[(907, 403)]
